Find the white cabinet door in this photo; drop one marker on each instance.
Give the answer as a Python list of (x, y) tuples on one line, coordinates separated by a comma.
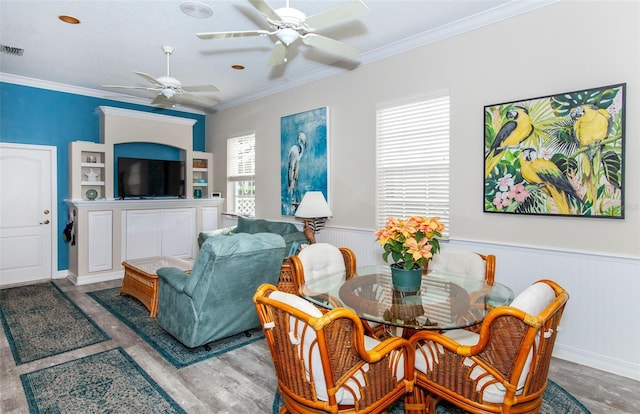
[(100, 240), (142, 234), (209, 218), (178, 232)]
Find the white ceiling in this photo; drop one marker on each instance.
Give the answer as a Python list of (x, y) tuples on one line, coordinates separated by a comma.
[(117, 37)]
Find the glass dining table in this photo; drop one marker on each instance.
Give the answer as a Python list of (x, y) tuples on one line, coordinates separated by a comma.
[(444, 300)]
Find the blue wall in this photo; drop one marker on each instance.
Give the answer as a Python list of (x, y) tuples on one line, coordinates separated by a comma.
[(37, 116)]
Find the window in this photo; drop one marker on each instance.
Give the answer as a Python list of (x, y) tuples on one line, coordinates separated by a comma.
[(241, 170), (412, 160)]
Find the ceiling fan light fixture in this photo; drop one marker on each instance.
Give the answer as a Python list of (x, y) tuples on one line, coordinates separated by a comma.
[(168, 93), (287, 35), (196, 9)]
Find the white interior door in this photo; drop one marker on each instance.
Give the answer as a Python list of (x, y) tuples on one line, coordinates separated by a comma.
[(27, 213)]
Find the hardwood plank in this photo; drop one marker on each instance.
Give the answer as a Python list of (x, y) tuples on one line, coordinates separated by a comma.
[(243, 380)]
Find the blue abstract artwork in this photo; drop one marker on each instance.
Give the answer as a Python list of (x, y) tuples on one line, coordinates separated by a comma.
[(304, 163)]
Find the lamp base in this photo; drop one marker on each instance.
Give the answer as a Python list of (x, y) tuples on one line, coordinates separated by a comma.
[(309, 232)]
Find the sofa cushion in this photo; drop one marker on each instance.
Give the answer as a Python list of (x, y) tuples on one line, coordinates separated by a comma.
[(254, 225)]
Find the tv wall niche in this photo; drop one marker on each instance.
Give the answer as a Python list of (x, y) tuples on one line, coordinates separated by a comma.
[(125, 132), (144, 151)]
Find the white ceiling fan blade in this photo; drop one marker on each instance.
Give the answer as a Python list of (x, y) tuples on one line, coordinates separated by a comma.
[(200, 88), (278, 54), (150, 78), (240, 33), (188, 99), (332, 46), (162, 100), (264, 8), (346, 11)]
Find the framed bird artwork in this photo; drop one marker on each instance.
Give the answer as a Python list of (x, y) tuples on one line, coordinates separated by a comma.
[(557, 155), (304, 157)]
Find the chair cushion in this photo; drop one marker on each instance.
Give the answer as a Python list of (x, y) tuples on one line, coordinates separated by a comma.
[(321, 259), (459, 261), (309, 347), (532, 300), (535, 298)]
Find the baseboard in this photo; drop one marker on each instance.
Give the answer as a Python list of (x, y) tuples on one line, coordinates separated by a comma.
[(102, 277), (597, 361)]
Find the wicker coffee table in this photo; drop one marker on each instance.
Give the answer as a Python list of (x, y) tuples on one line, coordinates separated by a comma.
[(141, 281)]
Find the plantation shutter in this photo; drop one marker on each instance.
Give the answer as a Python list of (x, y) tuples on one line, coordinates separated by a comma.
[(241, 160), (412, 160)]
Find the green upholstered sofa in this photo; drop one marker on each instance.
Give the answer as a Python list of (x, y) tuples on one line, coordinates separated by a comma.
[(216, 299), (288, 231)]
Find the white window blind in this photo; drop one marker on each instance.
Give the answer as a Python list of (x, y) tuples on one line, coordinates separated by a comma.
[(412, 160), (241, 170), (241, 159)]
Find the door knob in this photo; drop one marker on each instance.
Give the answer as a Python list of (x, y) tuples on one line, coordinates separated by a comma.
[(46, 212), (45, 222)]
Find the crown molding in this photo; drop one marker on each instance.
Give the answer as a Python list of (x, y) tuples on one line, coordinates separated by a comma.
[(79, 90)]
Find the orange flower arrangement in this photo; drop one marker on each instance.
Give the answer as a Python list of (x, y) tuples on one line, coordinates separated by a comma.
[(411, 242)]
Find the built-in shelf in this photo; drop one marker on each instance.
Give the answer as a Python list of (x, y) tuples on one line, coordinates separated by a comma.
[(201, 174)]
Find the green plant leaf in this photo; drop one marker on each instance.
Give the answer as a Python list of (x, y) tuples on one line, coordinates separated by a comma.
[(612, 165)]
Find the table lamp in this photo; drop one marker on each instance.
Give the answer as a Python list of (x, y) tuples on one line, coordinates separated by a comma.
[(314, 210)]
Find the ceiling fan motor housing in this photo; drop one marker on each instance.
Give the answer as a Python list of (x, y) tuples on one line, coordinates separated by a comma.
[(291, 22)]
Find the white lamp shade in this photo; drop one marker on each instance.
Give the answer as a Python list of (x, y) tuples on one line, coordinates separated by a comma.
[(313, 205)]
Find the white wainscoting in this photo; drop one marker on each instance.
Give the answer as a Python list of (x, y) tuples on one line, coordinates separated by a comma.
[(601, 323)]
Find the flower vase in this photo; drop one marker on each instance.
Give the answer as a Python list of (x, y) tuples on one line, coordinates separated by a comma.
[(406, 280)]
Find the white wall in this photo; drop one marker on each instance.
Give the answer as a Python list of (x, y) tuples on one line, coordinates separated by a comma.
[(566, 46)]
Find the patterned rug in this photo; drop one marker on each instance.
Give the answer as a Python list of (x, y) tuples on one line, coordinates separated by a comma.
[(41, 321), (133, 314), (107, 382), (555, 400)]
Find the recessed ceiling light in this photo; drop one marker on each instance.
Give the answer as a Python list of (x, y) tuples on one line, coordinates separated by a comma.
[(196, 9), (69, 19), (237, 67)]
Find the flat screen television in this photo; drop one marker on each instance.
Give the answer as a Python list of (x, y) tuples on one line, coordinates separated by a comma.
[(141, 177)]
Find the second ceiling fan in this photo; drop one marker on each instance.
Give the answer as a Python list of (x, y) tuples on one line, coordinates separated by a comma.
[(289, 24)]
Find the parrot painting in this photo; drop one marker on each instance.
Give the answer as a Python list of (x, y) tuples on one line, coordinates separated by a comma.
[(555, 184), (517, 128), (591, 125)]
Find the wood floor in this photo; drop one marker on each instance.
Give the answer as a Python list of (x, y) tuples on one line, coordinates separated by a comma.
[(242, 381)]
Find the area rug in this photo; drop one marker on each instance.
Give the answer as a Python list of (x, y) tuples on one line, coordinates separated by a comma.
[(40, 321), (133, 314), (107, 382), (555, 400)]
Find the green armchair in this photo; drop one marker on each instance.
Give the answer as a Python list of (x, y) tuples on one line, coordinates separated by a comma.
[(216, 299)]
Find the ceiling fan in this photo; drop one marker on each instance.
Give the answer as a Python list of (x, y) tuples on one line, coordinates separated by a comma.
[(289, 24), (170, 90)]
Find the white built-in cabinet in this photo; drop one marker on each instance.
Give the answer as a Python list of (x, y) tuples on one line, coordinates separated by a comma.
[(109, 231), (159, 232), (210, 217), (100, 242)]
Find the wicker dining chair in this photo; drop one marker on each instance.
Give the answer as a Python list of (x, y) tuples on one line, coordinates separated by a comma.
[(465, 262), (470, 264), (321, 259), (504, 368), (323, 360)]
